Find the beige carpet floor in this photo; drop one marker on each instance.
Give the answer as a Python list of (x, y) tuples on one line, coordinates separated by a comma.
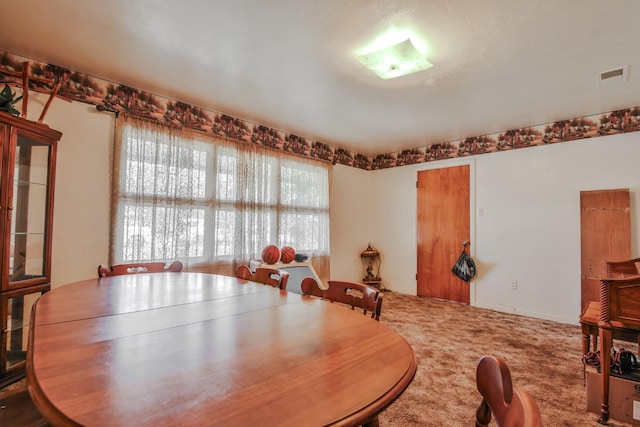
[(448, 340), (545, 358)]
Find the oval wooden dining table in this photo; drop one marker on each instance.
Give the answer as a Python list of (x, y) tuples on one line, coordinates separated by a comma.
[(193, 349)]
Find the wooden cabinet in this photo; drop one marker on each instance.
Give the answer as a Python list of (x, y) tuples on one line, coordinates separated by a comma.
[(27, 176)]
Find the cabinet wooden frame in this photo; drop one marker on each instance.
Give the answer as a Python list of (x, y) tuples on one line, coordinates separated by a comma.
[(27, 181)]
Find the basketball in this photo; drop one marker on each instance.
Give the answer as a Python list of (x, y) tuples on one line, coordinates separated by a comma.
[(287, 254), (271, 254)]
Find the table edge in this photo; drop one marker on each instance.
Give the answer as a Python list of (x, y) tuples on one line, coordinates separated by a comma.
[(49, 411), (377, 407), (56, 417)]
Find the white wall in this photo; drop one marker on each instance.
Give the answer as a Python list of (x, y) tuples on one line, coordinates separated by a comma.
[(349, 221), (82, 192), (529, 232), (530, 228)]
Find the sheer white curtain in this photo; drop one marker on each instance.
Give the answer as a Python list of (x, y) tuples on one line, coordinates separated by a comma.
[(212, 203)]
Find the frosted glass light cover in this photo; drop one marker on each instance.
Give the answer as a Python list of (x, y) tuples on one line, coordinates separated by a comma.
[(395, 61)]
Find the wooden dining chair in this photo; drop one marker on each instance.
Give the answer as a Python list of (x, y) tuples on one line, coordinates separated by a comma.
[(138, 267), (18, 410), (366, 298), (627, 268), (265, 275), (510, 407)]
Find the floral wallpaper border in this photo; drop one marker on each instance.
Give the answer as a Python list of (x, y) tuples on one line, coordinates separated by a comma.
[(113, 96)]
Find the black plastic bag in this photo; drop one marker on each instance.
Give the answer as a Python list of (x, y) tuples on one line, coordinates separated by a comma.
[(465, 267)]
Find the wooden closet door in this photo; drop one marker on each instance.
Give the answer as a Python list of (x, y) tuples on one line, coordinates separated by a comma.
[(605, 235), (443, 223)]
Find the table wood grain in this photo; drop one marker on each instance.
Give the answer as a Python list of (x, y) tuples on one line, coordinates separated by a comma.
[(192, 349)]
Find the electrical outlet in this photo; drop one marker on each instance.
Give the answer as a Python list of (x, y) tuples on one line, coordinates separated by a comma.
[(514, 285)]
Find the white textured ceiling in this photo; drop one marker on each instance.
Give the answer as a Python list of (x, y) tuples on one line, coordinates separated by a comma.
[(288, 64)]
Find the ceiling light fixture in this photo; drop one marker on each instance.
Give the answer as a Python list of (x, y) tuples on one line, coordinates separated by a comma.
[(395, 60)]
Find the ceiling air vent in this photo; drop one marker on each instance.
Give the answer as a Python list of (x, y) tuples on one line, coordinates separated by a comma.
[(615, 76)]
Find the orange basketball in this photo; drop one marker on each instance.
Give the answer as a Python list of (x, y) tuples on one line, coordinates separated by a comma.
[(271, 254), (287, 254)]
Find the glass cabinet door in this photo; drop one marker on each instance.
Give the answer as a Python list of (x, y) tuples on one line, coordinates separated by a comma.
[(16, 328), (27, 254)]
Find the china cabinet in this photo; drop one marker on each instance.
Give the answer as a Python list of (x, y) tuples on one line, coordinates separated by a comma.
[(27, 172)]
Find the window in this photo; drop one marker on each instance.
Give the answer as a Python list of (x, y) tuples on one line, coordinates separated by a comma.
[(181, 196)]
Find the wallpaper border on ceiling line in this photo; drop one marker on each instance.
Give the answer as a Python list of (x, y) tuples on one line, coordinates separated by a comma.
[(117, 97)]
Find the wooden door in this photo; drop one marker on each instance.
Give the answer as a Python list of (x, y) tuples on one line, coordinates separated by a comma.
[(443, 224), (605, 235)]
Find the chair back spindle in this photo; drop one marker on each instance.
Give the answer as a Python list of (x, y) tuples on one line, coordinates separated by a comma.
[(626, 268), (265, 275), (364, 297), (138, 267)]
